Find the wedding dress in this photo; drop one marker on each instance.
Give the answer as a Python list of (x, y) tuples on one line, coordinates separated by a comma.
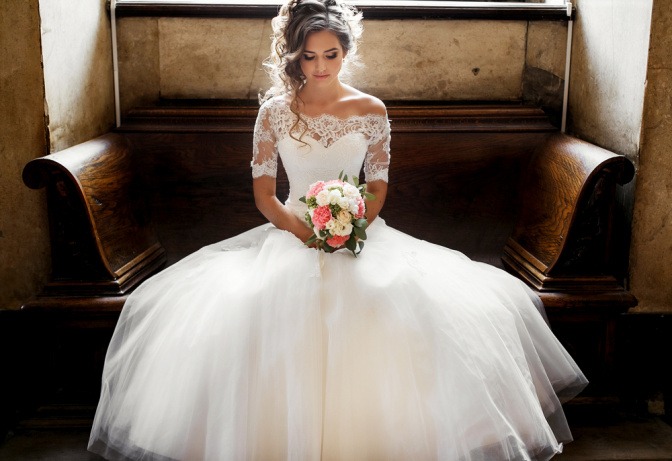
[(260, 348)]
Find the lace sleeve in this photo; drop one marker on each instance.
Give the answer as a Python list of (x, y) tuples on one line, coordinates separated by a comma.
[(264, 151), (377, 162)]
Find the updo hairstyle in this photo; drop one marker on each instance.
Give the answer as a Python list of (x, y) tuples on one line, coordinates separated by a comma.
[(295, 20)]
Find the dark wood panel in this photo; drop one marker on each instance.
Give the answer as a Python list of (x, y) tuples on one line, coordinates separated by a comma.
[(455, 169)]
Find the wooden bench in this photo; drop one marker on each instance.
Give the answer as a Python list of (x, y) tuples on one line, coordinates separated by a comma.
[(497, 182)]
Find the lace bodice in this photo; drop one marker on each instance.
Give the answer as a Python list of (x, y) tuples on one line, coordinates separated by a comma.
[(329, 145)]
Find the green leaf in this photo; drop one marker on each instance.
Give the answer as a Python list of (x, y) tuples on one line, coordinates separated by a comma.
[(302, 199), (360, 233), (355, 181), (311, 240), (351, 244), (363, 223), (369, 196), (361, 246), (327, 248)]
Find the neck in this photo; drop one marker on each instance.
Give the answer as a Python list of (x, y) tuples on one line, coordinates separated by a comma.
[(321, 97)]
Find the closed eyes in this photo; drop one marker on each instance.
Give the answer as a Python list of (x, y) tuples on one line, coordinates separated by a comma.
[(307, 57)]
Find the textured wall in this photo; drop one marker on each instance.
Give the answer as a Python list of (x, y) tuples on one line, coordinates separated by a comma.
[(544, 74), (448, 60), (24, 249), (138, 53), (651, 255), (608, 74), (77, 56)]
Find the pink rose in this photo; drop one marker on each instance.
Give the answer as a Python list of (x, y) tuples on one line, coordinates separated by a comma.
[(321, 216), (361, 209), (315, 188), (334, 182), (337, 240)]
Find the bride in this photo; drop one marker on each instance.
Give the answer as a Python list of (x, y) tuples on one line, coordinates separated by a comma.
[(262, 348)]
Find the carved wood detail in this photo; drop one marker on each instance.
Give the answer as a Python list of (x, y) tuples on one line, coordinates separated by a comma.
[(101, 235), (561, 241)]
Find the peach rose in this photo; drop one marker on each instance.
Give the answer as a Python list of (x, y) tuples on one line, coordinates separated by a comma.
[(321, 216), (337, 240), (315, 188)]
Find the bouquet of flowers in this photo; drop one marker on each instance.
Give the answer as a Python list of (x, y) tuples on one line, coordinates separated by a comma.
[(336, 214)]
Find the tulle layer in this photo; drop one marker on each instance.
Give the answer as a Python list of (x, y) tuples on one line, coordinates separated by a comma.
[(260, 348)]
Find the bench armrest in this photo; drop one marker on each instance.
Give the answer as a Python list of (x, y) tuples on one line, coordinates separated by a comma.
[(561, 241), (101, 235)]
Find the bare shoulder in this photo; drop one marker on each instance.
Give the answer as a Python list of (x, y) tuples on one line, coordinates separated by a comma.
[(365, 104)]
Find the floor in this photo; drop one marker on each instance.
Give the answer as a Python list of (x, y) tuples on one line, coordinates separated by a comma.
[(599, 436)]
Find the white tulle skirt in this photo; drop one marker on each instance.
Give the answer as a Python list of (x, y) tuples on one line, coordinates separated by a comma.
[(259, 348)]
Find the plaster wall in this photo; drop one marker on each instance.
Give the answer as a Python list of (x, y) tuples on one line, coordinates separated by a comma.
[(413, 59), (24, 248), (77, 56), (608, 73), (651, 255)]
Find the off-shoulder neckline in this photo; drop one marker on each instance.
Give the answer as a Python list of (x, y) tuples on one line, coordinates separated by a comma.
[(283, 103)]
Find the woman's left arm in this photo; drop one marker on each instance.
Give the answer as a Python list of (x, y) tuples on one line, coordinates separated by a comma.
[(379, 189), (377, 161)]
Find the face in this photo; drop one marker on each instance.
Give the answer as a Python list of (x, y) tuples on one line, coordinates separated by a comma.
[(322, 58)]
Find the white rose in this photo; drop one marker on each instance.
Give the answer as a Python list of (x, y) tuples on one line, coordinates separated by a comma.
[(344, 203), (334, 196), (347, 229), (353, 206), (350, 191), (322, 197)]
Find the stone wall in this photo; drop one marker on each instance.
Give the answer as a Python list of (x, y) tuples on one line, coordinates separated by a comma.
[(77, 58), (24, 248), (475, 60), (651, 255), (608, 73)]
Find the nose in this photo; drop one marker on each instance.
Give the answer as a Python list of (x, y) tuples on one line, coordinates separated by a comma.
[(320, 65)]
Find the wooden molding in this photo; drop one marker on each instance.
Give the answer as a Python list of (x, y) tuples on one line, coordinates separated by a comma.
[(394, 9)]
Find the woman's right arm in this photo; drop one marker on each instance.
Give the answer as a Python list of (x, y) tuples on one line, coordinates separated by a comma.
[(279, 215), (264, 170)]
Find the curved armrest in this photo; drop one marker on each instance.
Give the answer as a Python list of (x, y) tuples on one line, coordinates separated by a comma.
[(561, 241), (101, 235)]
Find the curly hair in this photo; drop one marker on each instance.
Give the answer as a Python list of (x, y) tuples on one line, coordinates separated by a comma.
[(295, 20)]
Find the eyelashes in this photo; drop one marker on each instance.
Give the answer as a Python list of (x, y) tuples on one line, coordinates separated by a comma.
[(310, 58)]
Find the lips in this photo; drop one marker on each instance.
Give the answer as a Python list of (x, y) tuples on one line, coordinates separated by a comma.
[(321, 77)]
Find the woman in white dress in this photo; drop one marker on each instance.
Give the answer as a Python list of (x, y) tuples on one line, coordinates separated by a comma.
[(261, 348)]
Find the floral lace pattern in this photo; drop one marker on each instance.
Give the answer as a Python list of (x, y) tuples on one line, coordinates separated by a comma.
[(275, 122)]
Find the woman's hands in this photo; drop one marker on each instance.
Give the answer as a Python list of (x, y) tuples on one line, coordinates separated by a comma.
[(269, 205)]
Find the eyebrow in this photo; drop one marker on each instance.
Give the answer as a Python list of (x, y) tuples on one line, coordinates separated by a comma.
[(327, 51)]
